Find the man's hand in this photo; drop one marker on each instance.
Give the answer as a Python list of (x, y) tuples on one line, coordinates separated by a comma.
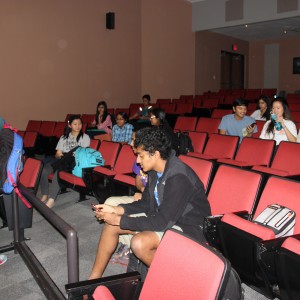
[(107, 217), (105, 208), (137, 196)]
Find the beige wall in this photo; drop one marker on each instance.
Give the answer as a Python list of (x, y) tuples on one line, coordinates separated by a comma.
[(168, 48), (208, 59), (288, 49), (57, 57)]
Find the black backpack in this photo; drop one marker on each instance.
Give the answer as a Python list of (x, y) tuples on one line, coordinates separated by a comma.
[(185, 144)]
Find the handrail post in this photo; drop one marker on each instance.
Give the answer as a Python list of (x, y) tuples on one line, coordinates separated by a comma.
[(73, 259)]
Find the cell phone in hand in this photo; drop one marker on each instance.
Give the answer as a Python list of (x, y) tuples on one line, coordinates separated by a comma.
[(253, 124)]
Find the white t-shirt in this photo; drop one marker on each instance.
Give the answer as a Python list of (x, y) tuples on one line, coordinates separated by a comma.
[(257, 116), (280, 135), (65, 145)]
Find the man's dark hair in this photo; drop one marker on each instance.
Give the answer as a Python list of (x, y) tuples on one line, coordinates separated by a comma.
[(240, 102), (154, 139), (147, 97)]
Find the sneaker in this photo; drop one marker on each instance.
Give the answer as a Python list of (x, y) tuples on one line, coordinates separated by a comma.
[(121, 249), (3, 259)]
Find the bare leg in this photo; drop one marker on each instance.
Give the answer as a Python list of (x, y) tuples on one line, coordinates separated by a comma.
[(107, 245), (144, 245)]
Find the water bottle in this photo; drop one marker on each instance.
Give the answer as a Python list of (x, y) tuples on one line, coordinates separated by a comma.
[(277, 125)]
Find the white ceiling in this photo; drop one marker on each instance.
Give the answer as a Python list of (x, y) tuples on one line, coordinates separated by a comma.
[(282, 28)]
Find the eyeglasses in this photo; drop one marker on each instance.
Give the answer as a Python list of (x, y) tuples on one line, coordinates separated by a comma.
[(152, 117)]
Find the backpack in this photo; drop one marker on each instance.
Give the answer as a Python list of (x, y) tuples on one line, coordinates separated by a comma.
[(11, 164), (86, 158), (278, 218), (185, 144)]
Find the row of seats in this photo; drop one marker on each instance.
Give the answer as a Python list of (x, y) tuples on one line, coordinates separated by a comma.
[(239, 195), (119, 160), (271, 264), (229, 190)]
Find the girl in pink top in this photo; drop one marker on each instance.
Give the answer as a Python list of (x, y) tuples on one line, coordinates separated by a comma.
[(102, 118)]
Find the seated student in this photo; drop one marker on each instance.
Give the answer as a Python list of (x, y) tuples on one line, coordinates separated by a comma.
[(73, 137), (122, 131), (174, 197), (238, 123), (263, 111), (280, 127), (143, 112), (102, 120), (158, 118), (141, 178)]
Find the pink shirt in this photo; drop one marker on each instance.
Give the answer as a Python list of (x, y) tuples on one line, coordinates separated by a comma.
[(106, 125)]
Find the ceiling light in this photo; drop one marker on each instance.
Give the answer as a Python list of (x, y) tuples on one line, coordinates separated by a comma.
[(246, 25)]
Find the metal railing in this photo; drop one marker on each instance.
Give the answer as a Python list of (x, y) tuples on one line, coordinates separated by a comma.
[(45, 282)]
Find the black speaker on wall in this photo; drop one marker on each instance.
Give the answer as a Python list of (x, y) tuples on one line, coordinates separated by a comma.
[(110, 20)]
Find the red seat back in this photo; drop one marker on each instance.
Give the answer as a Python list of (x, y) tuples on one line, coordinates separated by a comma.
[(182, 108), (200, 276), (87, 118), (29, 139), (198, 140), (161, 101), (203, 168), (33, 125), (255, 151), (168, 107), (259, 125), (94, 144), (125, 160), (47, 128), (233, 189), (208, 125), (185, 123), (221, 146), (31, 173), (287, 158), (210, 103), (219, 113), (59, 129), (109, 151)]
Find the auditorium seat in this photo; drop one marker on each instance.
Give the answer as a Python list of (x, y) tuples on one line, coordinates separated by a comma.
[(252, 152), (239, 237)]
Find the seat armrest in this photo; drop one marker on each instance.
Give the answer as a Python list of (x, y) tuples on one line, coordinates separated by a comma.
[(210, 227), (117, 284)]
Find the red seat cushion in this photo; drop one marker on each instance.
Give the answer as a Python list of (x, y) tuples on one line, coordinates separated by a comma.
[(125, 179), (255, 229), (72, 179), (104, 171), (271, 171)]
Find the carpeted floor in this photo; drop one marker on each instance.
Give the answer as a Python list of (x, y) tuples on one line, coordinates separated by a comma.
[(16, 282)]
